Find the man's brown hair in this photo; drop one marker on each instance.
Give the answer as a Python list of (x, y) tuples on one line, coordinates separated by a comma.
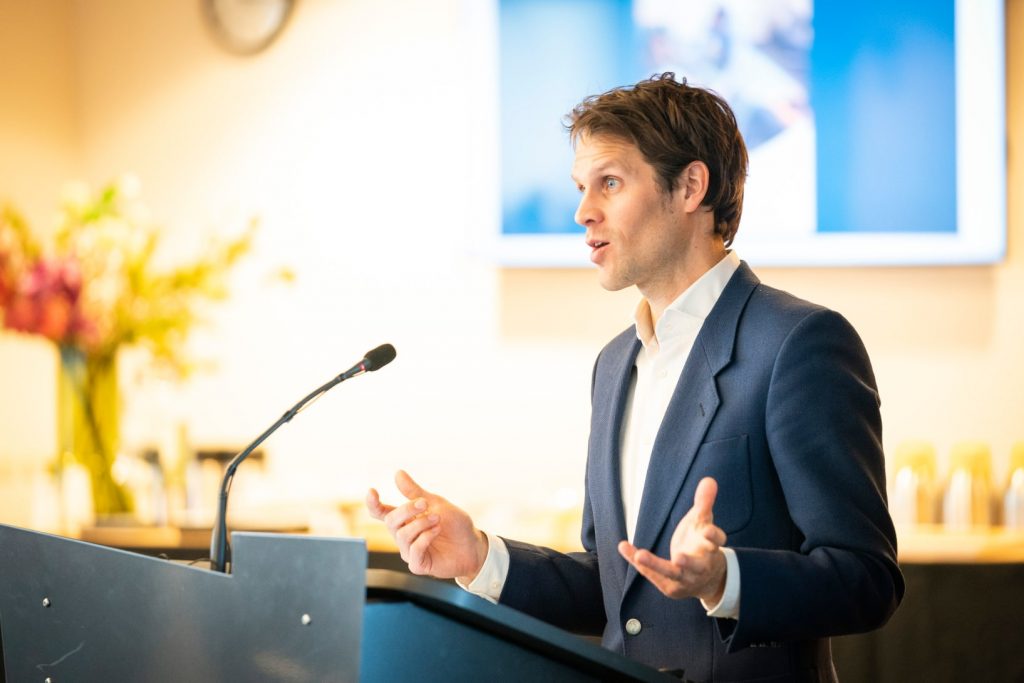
[(674, 124)]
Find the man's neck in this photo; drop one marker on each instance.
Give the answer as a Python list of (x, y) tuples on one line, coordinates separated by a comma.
[(690, 271)]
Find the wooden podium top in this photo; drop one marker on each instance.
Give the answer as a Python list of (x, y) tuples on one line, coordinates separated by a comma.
[(186, 543)]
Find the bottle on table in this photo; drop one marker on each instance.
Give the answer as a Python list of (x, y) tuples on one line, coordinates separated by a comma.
[(1013, 496), (968, 499), (912, 494)]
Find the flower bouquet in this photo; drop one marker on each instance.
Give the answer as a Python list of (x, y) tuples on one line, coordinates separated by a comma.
[(95, 285)]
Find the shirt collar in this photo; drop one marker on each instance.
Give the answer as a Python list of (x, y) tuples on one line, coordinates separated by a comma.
[(696, 302)]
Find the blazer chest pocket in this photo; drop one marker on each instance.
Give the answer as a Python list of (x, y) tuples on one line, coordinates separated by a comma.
[(727, 461)]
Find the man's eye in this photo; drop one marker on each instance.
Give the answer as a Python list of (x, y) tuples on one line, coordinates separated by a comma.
[(612, 183)]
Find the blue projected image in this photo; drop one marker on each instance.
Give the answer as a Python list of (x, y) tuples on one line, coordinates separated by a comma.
[(884, 98), (850, 114), (552, 54)]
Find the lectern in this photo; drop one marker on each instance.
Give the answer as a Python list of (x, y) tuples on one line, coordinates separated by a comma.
[(293, 608)]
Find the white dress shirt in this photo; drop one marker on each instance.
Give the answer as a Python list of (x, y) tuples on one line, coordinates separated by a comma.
[(665, 346)]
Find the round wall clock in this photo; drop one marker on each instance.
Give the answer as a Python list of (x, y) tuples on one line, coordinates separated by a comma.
[(246, 27)]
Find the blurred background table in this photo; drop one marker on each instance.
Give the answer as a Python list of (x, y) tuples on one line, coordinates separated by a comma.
[(962, 618), (190, 544)]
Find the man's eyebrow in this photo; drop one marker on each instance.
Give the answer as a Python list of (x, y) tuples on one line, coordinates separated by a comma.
[(600, 169)]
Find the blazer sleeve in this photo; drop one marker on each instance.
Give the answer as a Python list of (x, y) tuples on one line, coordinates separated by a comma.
[(563, 589), (824, 432)]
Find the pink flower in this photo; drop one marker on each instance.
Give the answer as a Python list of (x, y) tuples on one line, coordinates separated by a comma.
[(19, 314), (8, 275), (54, 317), (45, 301)]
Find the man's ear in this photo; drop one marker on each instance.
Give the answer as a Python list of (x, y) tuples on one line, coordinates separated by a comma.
[(693, 185)]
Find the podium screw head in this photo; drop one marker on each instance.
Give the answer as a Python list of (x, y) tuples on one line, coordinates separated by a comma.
[(306, 620), (46, 602)]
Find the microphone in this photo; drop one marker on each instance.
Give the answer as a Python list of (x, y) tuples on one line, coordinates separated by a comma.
[(374, 360)]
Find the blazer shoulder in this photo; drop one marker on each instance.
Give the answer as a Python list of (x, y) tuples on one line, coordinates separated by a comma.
[(783, 321), (623, 342), (774, 309), (615, 356), (747, 306), (779, 302)]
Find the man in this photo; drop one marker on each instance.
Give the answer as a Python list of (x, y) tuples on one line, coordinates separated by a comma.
[(735, 513)]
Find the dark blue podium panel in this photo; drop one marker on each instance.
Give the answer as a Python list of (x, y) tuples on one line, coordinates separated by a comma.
[(455, 651), (417, 629), (291, 610)]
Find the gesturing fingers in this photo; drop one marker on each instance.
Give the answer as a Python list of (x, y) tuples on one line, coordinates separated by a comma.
[(667, 577), (401, 515), (684, 576), (376, 508), (408, 486), (704, 499), (414, 538), (696, 533), (714, 535), (418, 555)]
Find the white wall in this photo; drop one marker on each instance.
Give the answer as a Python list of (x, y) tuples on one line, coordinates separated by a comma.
[(362, 141), (38, 153)]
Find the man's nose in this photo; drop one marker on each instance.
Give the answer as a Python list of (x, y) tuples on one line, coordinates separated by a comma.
[(587, 213)]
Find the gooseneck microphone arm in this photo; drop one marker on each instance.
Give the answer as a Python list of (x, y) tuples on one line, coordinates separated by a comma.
[(219, 551)]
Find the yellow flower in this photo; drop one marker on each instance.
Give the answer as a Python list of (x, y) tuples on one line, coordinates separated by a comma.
[(121, 295)]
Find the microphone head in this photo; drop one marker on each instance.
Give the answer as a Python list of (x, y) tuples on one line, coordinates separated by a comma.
[(379, 357)]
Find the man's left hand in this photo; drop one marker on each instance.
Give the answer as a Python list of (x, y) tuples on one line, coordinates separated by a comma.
[(696, 566)]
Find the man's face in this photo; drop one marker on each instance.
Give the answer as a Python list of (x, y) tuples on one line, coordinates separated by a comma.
[(638, 234)]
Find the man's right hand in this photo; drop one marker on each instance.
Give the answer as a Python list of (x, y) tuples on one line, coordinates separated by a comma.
[(434, 537)]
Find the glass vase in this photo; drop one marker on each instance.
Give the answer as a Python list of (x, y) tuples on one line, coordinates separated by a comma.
[(88, 426)]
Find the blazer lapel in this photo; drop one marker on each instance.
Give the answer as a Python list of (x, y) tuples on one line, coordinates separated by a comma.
[(690, 412), (611, 388)]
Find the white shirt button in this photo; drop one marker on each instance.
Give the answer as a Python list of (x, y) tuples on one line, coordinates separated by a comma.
[(633, 627)]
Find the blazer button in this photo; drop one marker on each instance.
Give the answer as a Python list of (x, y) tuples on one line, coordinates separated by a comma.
[(633, 627)]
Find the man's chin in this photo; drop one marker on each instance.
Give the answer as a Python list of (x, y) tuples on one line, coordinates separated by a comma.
[(611, 284)]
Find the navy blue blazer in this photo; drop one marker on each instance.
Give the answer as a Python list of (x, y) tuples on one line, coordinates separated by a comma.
[(777, 401)]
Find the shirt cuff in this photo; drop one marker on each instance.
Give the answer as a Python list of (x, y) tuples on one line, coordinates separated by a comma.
[(491, 578), (729, 606)]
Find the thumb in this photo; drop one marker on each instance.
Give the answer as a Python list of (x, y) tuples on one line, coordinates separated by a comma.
[(409, 488), (704, 499)]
